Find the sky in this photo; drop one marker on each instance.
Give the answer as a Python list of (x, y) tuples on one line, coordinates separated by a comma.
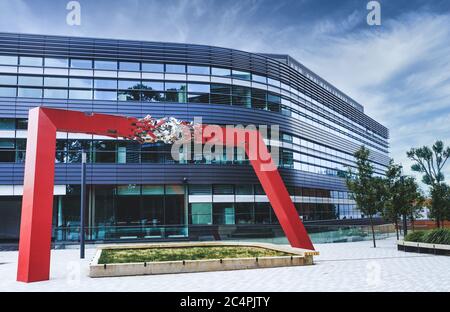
[(399, 70)]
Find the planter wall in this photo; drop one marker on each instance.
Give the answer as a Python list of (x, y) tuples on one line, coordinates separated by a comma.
[(299, 257), (436, 249)]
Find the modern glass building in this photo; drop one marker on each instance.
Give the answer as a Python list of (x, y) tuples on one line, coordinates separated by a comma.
[(139, 192)]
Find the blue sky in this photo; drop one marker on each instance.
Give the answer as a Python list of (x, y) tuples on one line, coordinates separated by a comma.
[(400, 71)]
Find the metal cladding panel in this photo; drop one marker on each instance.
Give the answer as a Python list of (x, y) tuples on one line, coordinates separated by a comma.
[(211, 114), (179, 53), (168, 174)]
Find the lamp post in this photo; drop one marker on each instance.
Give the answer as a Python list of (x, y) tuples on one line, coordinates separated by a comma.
[(83, 201), (186, 204)]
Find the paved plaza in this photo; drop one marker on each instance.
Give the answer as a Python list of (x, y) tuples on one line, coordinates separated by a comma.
[(340, 267)]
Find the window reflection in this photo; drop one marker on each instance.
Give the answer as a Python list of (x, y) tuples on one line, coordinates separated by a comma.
[(152, 67), (241, 75), (8, 80), (81, 63), (105, 65), (105, 84), (29, 93), (8, 60), (199, 70), (129, 95), (223, 72), (7, 92), (31, 61), (130, 66), (55, 93), (175, 68), (56, 62)]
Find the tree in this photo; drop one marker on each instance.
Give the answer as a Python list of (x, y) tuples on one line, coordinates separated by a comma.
[(440, 202), (403, 197), (408, 200), (430, 162), (391, 211), (366, 190)]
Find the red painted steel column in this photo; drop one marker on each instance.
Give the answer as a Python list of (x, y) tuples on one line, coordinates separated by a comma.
[(37, 200), (279, 197), (268, 175)]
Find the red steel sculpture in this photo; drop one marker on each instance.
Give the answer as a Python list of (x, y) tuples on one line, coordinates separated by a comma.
[(37, 202)]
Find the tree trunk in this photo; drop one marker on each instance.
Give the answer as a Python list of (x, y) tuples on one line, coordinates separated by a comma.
[(405, 225), (412, 224), (373, 232)]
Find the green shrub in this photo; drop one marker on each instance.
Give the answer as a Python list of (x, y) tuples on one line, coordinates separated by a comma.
[(416, 236), (436, 236)]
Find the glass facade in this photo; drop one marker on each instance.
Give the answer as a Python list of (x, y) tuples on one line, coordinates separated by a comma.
[(320, 130)]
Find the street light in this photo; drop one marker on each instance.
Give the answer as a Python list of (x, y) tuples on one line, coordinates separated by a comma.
[(83, 201)]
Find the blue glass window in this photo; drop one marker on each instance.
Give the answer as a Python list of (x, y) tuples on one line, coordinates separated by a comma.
[(153, 85), (199, 87), (129, 84), (220, 88), (152, 67), (9, 92), (55, 94), (105, 65), (273, 82), (224, 72), (8, 80), (241, 91), (241, 75), (30, 81), (7, 124), (176, 68), (105, 84), (80, 94), (56, 62), (30, 61), (175, 86), (56, 82), (8, 60), (152, 96), (130, 66), (258, 78), (199, 70), (80, 63), (105, 95), (274, 98), (129, 95), (30, 93), (80, 83)]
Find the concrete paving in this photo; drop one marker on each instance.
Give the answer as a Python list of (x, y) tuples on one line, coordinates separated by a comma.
[(340, 267)]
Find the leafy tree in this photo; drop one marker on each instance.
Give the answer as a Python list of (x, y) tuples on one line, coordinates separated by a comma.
[(440, 202), (391, 211), (430, 162), (408, 200), (367, 191), (403, 197)]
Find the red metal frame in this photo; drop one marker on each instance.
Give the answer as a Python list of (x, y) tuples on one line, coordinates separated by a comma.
[(37, 202)]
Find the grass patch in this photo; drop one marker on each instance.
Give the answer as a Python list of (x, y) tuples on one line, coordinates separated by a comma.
[(184, 253)]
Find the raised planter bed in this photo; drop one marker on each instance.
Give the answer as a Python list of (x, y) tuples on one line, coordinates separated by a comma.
[(436, 249), (290, 257)]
